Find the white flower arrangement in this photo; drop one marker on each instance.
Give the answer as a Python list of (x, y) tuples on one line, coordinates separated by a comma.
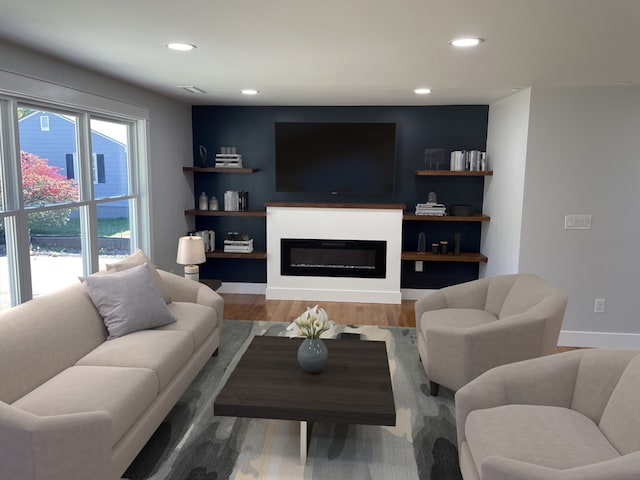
[(311, 324)]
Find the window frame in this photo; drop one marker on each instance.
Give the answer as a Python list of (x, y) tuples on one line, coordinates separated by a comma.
[(22, 91)]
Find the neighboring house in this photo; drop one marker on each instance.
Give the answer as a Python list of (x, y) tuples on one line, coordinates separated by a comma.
[(51, 136)]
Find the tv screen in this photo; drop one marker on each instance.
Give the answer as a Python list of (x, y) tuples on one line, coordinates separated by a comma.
[(335, 157)]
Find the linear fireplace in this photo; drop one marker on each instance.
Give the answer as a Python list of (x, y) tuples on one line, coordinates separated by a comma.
[(333, 258), (334, 226)]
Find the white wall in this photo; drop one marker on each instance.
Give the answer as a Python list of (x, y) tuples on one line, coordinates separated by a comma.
[(503, 193), (170, 140), (583, 157)]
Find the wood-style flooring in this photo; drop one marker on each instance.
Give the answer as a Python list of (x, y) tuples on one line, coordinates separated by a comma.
[(256, 307)]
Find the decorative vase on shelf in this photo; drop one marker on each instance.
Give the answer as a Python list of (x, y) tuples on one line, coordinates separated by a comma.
[(312, 355), (203, 202)]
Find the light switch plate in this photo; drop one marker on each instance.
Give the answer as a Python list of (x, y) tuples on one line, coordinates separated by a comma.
[(577, 222)]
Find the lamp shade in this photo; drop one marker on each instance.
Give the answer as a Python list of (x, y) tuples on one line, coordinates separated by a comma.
[(190, 251)]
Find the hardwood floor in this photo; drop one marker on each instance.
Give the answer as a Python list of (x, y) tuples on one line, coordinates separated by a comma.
[(255, 307)]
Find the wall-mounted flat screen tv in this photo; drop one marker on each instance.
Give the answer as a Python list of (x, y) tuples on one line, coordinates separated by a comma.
[(335, 157)]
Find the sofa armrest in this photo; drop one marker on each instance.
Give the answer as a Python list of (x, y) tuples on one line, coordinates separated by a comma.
[(546, 380), (63, 447), (185, 290), (626, 467), (431, 301)]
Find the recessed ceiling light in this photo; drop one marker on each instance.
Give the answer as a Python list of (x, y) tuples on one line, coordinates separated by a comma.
[(181, 47), (422, 91), (249, 91), (465, 42)]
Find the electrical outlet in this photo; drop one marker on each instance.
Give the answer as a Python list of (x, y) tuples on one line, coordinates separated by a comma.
[(419, 265), (599, 305)]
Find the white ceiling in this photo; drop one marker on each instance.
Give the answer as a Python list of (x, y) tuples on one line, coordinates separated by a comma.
[(338, 52)]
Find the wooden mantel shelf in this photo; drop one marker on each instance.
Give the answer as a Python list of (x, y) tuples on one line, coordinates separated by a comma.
[(373, 206)]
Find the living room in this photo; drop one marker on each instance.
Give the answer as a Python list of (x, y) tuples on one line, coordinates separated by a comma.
[(556, 148)]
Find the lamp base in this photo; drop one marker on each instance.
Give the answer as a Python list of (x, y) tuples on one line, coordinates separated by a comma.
[(192, 272)]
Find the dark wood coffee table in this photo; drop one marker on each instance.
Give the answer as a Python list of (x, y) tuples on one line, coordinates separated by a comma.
[(355, 386)]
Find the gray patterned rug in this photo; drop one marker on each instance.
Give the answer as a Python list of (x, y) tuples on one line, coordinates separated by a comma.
[(194, 444)]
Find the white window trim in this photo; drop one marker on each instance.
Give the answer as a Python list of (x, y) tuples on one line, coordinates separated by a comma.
[(22, 88)]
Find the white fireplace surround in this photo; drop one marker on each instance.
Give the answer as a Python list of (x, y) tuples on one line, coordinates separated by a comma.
[(340, 222)]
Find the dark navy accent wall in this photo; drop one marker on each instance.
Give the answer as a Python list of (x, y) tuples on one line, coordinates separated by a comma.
[(251, 131)]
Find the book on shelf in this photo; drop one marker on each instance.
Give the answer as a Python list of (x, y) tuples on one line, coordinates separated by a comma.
[(232, 249), (238, 246), (228, 160), (235, 201), (431, 208)]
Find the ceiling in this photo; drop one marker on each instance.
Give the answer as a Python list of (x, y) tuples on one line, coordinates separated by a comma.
[(338, 52)]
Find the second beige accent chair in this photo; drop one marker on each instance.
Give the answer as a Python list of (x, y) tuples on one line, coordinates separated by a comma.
[(466, 329), (569, 416)]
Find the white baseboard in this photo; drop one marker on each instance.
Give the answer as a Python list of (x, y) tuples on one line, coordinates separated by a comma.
[(415, 293), (261, 289), (240, 287), (569, 338), (318, 295)]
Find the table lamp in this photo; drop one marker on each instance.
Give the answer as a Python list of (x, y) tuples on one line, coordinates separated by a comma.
[(190, 253)]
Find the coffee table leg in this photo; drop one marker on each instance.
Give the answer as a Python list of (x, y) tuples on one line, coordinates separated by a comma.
[(303, 443)]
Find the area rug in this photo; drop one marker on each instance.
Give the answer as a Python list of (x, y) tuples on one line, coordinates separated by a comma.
[(194, 444)]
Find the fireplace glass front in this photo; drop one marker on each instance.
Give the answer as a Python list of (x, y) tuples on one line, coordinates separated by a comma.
[(333, 258)]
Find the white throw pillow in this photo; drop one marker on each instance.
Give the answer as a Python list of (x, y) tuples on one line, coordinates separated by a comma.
[(128, 301), (138, 258)]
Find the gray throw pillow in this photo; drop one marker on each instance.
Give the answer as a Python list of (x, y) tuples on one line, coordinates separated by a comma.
[(138, 258), (128, 301)]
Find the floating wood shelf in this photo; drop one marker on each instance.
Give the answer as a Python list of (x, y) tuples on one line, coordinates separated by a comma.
[(464, 257), (255, 255), (452, 173), (445, 218), (223, 213), (219, 170)]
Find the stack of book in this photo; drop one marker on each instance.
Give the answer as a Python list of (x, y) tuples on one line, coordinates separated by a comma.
[(429, 208), (235, 201), (238, 246), (228, 160)]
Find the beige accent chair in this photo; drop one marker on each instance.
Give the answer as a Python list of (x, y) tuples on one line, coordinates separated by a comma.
[(568, 416), (466, 329)]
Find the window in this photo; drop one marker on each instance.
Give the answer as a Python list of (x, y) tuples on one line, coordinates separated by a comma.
[(97, 165), (44, 123), (69, 194)]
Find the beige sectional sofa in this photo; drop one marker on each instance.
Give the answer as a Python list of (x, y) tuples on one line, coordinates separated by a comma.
[(568, 416), (76, 406)]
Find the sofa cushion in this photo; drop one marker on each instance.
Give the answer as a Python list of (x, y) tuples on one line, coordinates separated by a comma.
[(164, 353), (598, 375), (527, 291), (198, 320), (42, 337), (139, 258), (124, 393), (620, 420), (128, 301), (549, 436), (497, 292), (455, 318)]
